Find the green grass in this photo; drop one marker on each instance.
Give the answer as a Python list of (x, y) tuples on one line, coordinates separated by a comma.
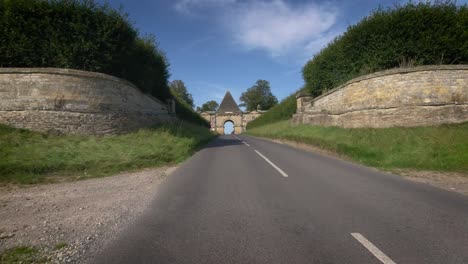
[(60, 245), (29, 157), (438, 148), (282, 111), (23, 255)]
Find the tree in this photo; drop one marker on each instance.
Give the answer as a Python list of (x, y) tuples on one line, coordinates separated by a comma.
[(209, 106), (258, 96), (179, 90)]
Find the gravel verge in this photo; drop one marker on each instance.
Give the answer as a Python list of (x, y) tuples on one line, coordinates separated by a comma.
[(69, 222)]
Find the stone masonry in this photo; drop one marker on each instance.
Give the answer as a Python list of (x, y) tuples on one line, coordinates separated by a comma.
[(228, 111), (76, 102), (419, 96)]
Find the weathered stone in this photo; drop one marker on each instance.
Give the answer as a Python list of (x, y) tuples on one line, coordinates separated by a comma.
[(426, 95), (229, 111), (77, 102)]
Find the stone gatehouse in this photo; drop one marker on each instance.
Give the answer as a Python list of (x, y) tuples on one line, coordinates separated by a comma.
[(228, 111)]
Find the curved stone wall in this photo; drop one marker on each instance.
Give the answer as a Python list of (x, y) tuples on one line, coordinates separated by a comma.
[(426, 95), (72, 101)]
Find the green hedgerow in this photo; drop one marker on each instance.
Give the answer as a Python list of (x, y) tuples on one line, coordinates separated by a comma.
[(282, 111), (423, 33), (82, 35)]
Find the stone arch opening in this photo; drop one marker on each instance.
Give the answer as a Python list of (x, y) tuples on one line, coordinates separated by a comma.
[(228, 127)]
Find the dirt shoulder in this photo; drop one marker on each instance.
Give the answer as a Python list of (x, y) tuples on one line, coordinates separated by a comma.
[(452, 181), (69, 222)]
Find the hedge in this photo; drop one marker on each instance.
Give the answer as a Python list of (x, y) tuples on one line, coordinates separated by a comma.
[(83, 35), (185, 112), (282, 111), (422, 33)]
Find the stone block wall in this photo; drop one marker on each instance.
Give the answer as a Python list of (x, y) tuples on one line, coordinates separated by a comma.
[(419, 96), (76, 102)]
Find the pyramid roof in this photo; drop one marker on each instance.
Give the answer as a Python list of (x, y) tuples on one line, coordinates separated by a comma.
[(228, 105)]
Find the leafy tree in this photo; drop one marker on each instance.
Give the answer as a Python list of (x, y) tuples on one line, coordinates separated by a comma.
[(259, 95), (179, 90), (209, 106)]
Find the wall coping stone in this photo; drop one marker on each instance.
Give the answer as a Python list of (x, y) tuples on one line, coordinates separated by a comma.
[(393, 71), (73, 72), (303, 94)]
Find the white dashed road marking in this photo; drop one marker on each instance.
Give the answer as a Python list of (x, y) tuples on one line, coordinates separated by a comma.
[(272, 164), (242, 141), (373, 249)]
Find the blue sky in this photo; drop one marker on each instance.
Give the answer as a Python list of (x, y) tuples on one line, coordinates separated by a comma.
[(219, 45)]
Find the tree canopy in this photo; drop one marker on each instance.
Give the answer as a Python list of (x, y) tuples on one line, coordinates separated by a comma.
[(258, 96), (179, 90), (209, 106)]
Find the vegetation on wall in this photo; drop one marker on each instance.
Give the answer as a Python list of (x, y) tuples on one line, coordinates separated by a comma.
[(186, 112), (282, 111), (179, 90), (81, 35), (84, 35), (422, 33)]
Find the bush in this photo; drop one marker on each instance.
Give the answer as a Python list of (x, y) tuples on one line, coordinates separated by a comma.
[(83, 35), (282, 111), (422, 33), (185, 112)]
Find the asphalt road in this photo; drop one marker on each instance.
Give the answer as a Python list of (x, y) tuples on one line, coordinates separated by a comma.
[(228, 204)]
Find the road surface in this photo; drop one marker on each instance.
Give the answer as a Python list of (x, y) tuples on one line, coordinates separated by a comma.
[(248, 200)]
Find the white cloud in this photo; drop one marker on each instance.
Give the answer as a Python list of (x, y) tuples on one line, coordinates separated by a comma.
[(278, 27)]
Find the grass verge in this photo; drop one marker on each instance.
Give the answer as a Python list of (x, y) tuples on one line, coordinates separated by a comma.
[(28, 157), (438, 148), (21, 255)]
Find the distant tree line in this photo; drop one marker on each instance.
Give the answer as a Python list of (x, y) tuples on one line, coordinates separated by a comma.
[(84, 35), (417, 33)]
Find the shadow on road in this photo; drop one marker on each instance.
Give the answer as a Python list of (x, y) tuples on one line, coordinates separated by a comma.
[(223, 141)]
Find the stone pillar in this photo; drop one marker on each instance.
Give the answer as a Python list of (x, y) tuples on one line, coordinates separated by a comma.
[(302, 99), (237, 130), (171, 106)]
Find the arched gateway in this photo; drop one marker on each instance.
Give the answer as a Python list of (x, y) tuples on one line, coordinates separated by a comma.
[(229, 111)]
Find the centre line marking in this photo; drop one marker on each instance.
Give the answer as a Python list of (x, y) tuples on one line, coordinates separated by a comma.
[(242, 140), (373, 249), (272, 164)]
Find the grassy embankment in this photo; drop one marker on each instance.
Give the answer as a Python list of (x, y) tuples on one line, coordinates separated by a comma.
[(29, 157), (438, 148)]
